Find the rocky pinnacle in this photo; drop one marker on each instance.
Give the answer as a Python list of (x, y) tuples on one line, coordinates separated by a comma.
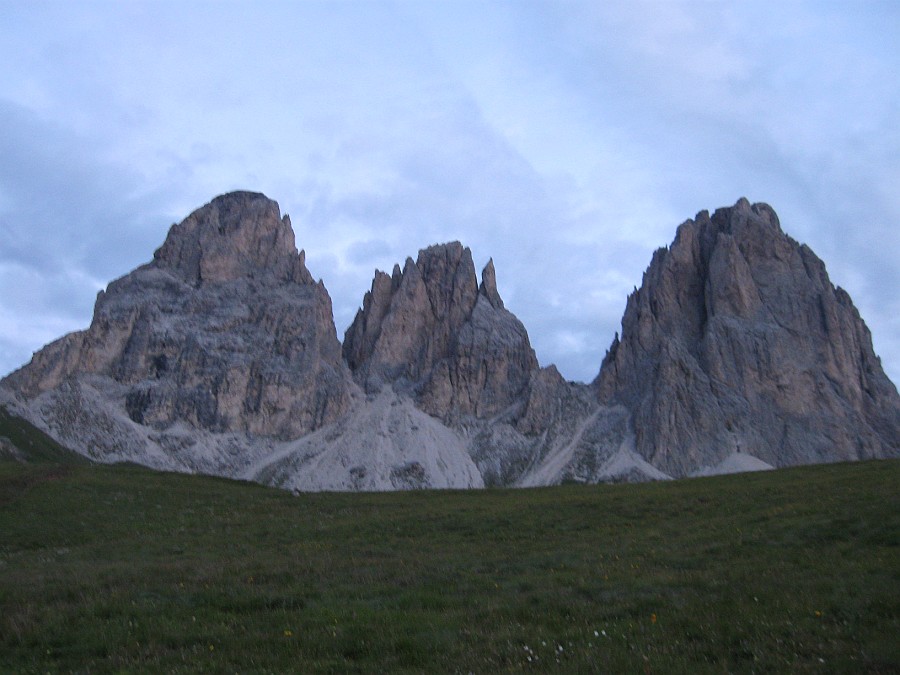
[(434, 331)]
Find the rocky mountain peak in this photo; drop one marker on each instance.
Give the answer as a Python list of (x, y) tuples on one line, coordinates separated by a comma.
[(432, 330), (406, 319), (239, 234), (738, 342), (448, 275), (225, 330)]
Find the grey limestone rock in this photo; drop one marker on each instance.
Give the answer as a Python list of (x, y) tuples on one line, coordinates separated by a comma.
[(221, 356), (225, 330), (432, 330), (237, 235), (737, 342)]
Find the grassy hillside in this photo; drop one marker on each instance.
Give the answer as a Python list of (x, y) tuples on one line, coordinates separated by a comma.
[(122, 569), (25, 442)]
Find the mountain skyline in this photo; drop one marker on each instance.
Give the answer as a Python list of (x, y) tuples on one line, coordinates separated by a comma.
[(221, 356)]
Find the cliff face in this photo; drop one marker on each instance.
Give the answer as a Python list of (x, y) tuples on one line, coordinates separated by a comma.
[(433, 330), (737, 342), (225, 330), (221, 356)]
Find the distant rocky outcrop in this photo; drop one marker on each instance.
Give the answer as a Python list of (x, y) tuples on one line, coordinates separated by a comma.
[(221, 356), (737, 342)]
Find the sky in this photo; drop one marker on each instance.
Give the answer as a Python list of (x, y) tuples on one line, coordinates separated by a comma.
[(565, 140)]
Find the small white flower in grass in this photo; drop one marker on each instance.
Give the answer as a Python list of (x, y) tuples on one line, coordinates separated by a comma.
[(596, 634)]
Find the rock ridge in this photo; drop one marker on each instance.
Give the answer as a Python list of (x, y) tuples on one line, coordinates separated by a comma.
[(220, 355)]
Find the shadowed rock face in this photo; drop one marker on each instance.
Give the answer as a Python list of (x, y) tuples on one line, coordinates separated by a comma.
[(738, 342), (225, 330), (432, 329)]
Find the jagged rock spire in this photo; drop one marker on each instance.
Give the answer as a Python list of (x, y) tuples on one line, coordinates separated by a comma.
[(488, 286), (431, 329)]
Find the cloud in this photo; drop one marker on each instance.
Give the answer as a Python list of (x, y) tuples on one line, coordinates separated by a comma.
[(68, 224), (565, 140)]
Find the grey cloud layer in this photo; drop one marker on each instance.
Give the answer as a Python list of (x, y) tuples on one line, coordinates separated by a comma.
[(565, 140)]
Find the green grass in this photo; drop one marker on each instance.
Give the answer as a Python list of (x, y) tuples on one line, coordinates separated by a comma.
[(32, 444), (125, 570)]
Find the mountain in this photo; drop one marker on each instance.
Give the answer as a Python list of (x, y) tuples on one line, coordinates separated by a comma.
[(738, 343), (224, 335), (221, 356), (451, 342)]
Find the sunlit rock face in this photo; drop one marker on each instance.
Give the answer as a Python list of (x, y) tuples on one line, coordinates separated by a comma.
[(737, 342)]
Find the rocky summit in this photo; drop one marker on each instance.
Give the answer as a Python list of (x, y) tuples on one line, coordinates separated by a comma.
[(221, 356), (738, 344), (433, 331), (223, 333)]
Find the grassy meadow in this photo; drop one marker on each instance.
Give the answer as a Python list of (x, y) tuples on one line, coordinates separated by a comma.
[(116, 568)]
